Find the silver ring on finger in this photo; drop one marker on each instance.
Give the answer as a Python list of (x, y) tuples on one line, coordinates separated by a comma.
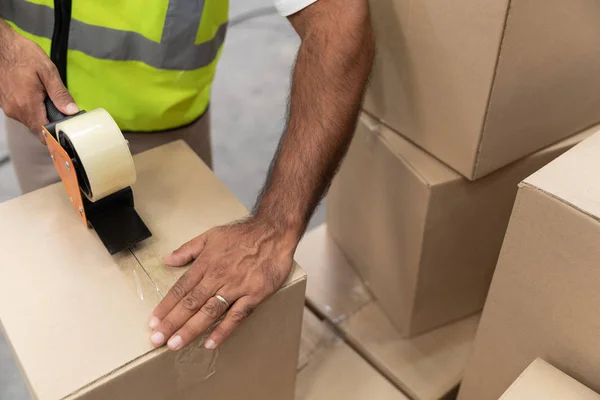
[(222, 300)]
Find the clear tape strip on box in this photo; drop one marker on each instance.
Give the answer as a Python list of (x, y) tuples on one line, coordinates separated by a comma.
[(193, 363)]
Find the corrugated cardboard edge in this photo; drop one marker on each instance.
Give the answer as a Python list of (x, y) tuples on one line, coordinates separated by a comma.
[(152, 354), (474, 172)]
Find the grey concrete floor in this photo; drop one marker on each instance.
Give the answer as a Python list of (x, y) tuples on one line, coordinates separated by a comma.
[(248, 109)]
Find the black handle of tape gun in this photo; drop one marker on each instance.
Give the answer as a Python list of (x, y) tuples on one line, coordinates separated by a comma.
[(54, 115)]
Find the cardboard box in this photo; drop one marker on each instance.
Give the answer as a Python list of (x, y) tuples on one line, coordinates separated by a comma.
[(544, 297), (541, 381), (480, 84), (332, 370), (77, 318), (423, 238), (427, 367)]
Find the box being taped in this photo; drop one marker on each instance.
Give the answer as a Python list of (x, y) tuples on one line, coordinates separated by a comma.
[(424, 238), (544, 297), (541, 381), (480, 84), (77, 318)]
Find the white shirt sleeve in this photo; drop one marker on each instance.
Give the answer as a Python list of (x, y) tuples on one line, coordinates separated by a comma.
[(289, 7)]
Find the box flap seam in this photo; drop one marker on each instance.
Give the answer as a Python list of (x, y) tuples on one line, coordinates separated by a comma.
[(489, 100)]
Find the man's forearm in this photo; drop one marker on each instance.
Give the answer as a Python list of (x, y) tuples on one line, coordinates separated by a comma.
[(246, 262), (331, 71)]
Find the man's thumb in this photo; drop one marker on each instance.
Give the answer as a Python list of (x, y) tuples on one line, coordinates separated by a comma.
[(59, 94)]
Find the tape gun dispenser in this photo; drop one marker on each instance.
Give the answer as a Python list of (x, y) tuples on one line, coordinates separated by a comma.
[(95, 165)]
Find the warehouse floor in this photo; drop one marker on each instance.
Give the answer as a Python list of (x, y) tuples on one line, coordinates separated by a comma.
[(249, 102)]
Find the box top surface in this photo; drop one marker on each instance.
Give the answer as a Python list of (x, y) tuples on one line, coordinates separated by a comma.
[(72, 313), (541, 381), (573, 177)]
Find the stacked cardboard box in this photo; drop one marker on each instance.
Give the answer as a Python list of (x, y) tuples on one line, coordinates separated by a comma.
[(77, 318), (544, 298), (465, 101), (423, 238), (481, 84)]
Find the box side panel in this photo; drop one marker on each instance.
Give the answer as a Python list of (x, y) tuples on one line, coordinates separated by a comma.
[(375, 213), (548, 79), (543, 301), (463, 236), (258, 362)]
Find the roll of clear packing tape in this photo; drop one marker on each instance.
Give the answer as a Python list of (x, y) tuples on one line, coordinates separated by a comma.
[(102, 151)]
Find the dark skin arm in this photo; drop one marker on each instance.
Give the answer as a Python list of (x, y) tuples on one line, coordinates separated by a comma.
[(248, 261)]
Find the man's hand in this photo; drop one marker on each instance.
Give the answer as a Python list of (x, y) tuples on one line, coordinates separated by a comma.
[(26, 75), (244, 263)]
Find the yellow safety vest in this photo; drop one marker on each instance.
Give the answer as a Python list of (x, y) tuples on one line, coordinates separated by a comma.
[(149, 63)]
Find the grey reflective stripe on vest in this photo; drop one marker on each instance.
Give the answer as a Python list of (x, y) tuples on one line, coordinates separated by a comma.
[(176, 51)]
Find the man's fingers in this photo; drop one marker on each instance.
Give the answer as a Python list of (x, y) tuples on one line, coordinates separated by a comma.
[(185, 284), (237, 314), (199, 323), (196, 301), (57, 92), (27, 106), (179, 290), (187, 252)]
